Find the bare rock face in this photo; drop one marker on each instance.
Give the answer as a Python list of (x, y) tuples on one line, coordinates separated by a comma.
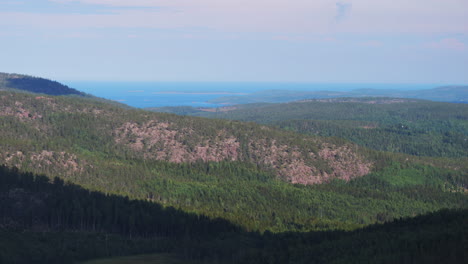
[(344, 163), (44, 160), (295, 167), (157, 140), (162, 141)]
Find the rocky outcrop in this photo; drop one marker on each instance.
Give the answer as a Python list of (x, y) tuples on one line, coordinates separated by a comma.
[(45, 161), (294, 158), (158, 140), (163, 141)]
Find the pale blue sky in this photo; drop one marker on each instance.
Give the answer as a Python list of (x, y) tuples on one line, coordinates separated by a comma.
[(394, 41)]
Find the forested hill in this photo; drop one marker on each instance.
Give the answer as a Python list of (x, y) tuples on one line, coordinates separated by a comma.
[(127, 181), (410, 126), (35, 85), (81, 126), (258, 177), (53, 222)]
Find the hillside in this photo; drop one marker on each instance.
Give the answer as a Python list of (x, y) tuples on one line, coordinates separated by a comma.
[(35, 85), (53, 222), (242, 172), (410, 126), (84, 125)]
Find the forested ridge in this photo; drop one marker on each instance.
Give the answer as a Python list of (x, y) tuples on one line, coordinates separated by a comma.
[(93, 144), (35, 85), (122, 181), (415, 127)]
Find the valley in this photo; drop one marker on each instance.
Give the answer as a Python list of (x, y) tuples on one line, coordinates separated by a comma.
[(256, 183)]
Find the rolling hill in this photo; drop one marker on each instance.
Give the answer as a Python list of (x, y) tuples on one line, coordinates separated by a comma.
[(32, 84), (128, 181), (410, 126), (239, 171)]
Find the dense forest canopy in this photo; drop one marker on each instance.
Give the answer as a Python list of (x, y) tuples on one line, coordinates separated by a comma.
[(55, 222), (238, 171), (84, 178), (35, 85), (415, 127)]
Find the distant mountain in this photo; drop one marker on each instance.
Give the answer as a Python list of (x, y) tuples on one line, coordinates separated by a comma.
[(454, 94), (35, 85), (458, 94)]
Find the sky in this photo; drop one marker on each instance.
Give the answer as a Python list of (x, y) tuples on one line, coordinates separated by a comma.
[(344, 41)]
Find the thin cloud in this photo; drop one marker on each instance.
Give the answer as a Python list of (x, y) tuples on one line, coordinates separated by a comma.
[(278, 17), (448, 44), (343, 10), (142, 3)]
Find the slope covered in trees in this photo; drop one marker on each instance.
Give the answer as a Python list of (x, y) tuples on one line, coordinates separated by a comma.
[(123, 181), (61, 223), (74, 126), (414, 127), (238, 171), (47, 221), (35, 85)]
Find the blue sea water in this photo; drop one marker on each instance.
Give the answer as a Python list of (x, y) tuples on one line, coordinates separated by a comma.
[(196, 94)]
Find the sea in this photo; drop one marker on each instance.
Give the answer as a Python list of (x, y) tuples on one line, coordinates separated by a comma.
[(196, 94)]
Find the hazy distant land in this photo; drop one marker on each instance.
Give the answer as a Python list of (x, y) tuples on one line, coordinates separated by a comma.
[(219, 94)]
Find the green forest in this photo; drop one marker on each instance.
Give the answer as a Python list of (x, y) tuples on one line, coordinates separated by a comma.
[(415, 127), (64, 223), (84, 179), (22, 83), (81, 148)]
